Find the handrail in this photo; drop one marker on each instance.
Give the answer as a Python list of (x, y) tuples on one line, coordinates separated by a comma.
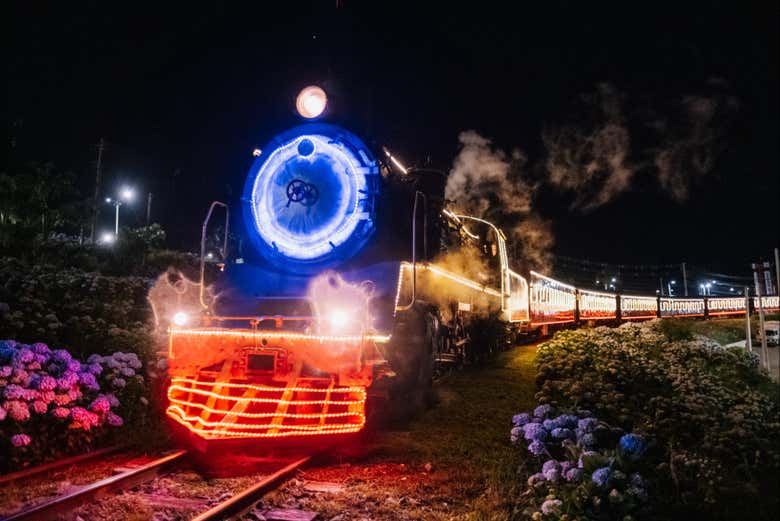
[(417, 195), (203, 244), (502, 253)]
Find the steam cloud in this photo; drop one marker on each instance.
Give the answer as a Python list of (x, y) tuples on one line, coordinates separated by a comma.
[(487, 182), (596, 160)]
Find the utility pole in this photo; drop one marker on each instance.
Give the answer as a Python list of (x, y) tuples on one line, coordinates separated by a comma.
[(748, 337), (148, 208), (685, 279), (762, 330), (98, 174)]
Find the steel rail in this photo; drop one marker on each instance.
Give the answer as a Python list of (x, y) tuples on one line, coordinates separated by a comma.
[(54, 465), (243, 500), (105, 487)]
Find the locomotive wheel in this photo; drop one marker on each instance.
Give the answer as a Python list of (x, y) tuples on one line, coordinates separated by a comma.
[(411, 357)]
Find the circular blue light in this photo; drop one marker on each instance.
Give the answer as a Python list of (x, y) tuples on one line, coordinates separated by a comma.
[(309, 197)]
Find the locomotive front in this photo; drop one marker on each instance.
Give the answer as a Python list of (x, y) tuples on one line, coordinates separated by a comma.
[(289, 346)]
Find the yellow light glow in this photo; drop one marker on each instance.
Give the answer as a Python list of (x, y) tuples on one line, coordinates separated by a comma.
[(243, 333), (311, 102)]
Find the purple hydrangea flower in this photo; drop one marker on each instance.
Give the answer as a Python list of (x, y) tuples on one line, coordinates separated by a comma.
[(518, 419), (566, 465), (95, 369), (23, 356), (550, 464), (20, 440), (552, 475), (601, 476), (537, 448), (552, 506), (13, 392), (88, 380), (119, 383), (40, 348), (114, 419), (632, 444), (587, 424), (127, 372), (74, 366), (112, 399), (573, 475), (534, 431), (562, 433), (61, 356), (94, 359), (5, 371), (542, 411)]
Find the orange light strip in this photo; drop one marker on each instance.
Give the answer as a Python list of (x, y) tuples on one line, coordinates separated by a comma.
[(718, 313), (208, 433), (212, 394), (277, 334), (360, 390), (265, 414), (252, 426), (553, 322), (623, 317)]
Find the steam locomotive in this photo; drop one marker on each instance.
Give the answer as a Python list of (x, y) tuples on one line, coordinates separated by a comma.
[(355, 281)]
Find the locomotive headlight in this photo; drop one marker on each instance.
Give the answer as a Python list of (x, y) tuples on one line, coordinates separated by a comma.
[(311, 102), (181, 318), (338, 319)]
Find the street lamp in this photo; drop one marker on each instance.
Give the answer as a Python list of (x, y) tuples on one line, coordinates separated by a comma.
[(126, 194)]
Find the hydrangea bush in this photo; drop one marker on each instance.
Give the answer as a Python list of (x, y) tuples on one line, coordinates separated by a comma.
[(589, 470), (712, 412), (51, 402)]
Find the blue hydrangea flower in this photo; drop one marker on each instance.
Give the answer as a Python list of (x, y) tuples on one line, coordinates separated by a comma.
[(601, 476), (587, 424), (542, 411), (534, 431), (632, 444), (562, 433), (550, 464), (537, 448), (587, 440), (521, 419), (567, 420)]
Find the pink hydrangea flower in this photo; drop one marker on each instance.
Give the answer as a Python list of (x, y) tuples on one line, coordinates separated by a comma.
[(20, 440), (62, 399), (46, 396), (47, 383), (18, 410), (20, 376), (5, 371), (39, 407), (75, 394), (100, 405), (3, 413), (60, 412)]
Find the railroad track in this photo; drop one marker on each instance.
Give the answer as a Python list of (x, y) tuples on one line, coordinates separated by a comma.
[(164, 468)]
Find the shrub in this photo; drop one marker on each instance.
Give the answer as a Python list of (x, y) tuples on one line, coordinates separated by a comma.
[(712, 412), (52, 404)]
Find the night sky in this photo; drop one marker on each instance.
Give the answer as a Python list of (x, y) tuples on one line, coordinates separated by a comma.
[(183, 94)]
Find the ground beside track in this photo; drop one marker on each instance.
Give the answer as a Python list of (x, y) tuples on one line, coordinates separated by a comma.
[(454, 462)]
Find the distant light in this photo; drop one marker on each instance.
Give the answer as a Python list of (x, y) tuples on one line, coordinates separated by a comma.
[(658, 291), (674, 282), (597, 282), (614, 279), (209, 255), (127, 194), (256, 152), (108, 199), (311, 102), (708, 285), (107, 238), (731, 289), (181, 318), (713, 282)]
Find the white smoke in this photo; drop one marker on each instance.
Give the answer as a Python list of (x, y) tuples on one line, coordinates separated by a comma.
[(487, 182)]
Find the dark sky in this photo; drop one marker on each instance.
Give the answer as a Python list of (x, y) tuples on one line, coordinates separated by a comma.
[(183, 93)]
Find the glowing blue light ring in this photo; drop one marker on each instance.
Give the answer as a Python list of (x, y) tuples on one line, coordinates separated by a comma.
[(336, 231), (338, 237)]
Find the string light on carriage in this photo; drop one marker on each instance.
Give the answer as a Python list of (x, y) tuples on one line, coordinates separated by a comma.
[(395, 161), (311, 102)]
